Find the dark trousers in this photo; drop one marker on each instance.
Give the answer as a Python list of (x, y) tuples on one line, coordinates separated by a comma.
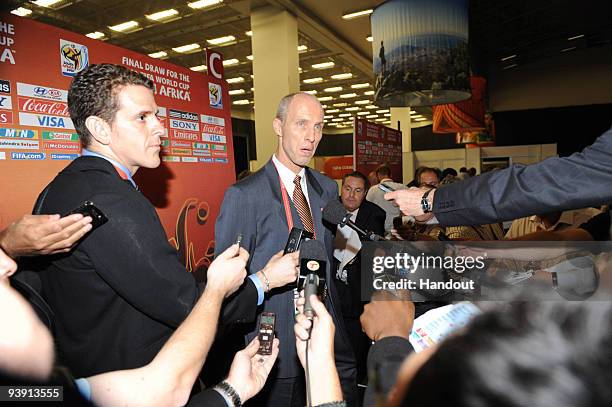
[(285, 392)]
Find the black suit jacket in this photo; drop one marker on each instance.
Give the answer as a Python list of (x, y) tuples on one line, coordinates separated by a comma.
[(122, 291), (369, 217), (254, 208), (555, 184)]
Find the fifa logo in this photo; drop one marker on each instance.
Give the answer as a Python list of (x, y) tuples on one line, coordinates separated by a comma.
[(74, 57)]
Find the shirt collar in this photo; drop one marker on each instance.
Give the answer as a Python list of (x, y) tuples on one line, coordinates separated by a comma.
[(285, 173), (85, 152)]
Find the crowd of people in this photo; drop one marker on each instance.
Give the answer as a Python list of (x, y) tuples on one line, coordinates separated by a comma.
[(110, 313)]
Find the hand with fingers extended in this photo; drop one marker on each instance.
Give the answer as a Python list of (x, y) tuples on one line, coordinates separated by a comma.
[(227, 272), (43, 234), (387, 315), (318, 335), (409, 201), (249, 370), (280, 270)]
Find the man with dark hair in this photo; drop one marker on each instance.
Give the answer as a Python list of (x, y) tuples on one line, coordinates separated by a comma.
[(426, 176), (120, 294), (376, 195)]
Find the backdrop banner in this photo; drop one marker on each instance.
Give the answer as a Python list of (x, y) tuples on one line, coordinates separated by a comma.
[(375, 144)]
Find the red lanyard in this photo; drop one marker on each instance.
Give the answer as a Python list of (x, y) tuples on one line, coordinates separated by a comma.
[(286, 204)]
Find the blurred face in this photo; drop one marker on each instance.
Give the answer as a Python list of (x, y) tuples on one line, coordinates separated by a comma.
[(7, 265), (429, 178), (353, 192), (136, 130), (300, 133)]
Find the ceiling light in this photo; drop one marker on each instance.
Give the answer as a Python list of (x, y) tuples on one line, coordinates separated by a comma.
[(575, 37), (418, 116), (568, 49), (368, 93), (249, 57), (362, 113), (128, 25), (249, 33), (337, 119), (348, 95), (371, 116), (221, 40), (300, 69), (371, 107), (187, 48), (345, 115), (158, 54), (198, 68), (507, 58), (160, 15), (237, 79), (340, 104), (324, 106), (387, 114), (237, 92), (333, 89), (420, 119), (313, 80), (241, 102), (230, 62), (328, 117), (510, 66), (360, 85), (95, 35), (380, 120), (311, 92), (333, 111), (382, 111), (363, 102), (204, 3), (352, 109), (323, 65), (369, 39), (356, 14), (325, 98), (21, 12), (342, 76), (302, 48), (45, 3)]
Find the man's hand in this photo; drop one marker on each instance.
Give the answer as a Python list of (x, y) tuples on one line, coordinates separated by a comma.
[(386, 315), (227, 272), (43, 234), (7, 266), (281, 270), (409, 202), (249, 371)]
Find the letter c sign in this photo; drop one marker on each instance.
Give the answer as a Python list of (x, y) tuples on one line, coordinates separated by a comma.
[(215, 63)]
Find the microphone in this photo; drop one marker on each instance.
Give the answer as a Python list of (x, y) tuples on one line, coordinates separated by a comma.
[(313, 262), (335, 213)]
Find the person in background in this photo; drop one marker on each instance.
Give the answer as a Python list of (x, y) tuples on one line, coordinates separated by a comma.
[(372, 178), (427, 176), (558, 220), (377, 196)]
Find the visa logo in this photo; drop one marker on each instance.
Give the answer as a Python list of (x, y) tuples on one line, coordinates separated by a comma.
[(50, 121)]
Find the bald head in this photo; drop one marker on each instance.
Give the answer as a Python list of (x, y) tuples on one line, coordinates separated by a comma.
[(285, 102)]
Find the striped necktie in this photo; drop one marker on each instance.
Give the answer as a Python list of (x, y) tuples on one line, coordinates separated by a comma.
[(301, 204)]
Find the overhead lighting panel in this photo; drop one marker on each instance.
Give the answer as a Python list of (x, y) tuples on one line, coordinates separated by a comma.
[(369, 39), (198, 68), (325, 98), (371, 107), (363, 102), (302, 48), (204, 3), (159, 54), (241, 102), (311, 92), (187, 48), (161, 15), (323, 65), (238, 79), (46, 3), (230, 62), (249, 33), (333, 89), (360, 85), (345, 115), (313, 80), (342, 76), (357, 14), (128, 25), (221, 40), (237, 92), (382, 111), (368, 93), (352, 109), (96, 35), (333, 111), (249, 57), (21, 12), (348, 95), (371, 116)]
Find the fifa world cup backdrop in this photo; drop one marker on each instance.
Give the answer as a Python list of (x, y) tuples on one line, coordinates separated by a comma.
[(37, 137)]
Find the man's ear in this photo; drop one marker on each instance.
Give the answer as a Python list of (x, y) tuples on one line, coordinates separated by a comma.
[(277, 124), (99, 129)]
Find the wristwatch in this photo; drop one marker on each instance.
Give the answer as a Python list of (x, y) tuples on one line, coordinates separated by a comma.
[(425, 203)]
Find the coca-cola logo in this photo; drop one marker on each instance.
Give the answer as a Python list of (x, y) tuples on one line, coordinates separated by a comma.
[(213, 129), (43, 106)]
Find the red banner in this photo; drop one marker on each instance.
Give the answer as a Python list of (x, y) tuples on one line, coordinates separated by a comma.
[(37, 137), (374, 145)]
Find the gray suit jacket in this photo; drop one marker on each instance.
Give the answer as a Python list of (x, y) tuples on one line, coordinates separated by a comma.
[(580, 180), (253, 207)]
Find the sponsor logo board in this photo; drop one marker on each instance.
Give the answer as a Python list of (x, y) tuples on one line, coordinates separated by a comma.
[(205, 160), (21, 133), (59, 145), (6, 117), (170, 158), (2, 155), (56, 135), (5, 86), (215, 95), (201, 145), (218, 147), (6, 102), (179, 114), (42, 92), (184, 135), (55, 156), (161, 111), (213, 129), (202, 152), (189, 159), (74, 57), (18, 144), (43, 106), (219, 154), (219, 121), (181, 151), (184, 125), (213, 138), (40, 120), (27, 156), (176, 143), (221, 160)]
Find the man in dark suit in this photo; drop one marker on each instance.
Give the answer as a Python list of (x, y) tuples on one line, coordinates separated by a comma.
[(555, 184), (264, 207), (120, 294), (347, 260)]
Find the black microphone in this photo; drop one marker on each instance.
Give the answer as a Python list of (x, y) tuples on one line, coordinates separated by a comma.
[(335, 213), (313, 263)]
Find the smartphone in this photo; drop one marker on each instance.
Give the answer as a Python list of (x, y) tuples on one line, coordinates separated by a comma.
[(87, 208), (385, 187), (266, 332)]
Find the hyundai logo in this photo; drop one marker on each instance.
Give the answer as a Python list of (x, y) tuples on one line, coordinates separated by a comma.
[(40, 91)]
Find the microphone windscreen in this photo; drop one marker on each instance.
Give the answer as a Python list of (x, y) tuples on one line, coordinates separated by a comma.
[(312, 250), (334, 212)]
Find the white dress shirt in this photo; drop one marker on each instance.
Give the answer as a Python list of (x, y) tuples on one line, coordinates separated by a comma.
[(287, 176), (346, 246)]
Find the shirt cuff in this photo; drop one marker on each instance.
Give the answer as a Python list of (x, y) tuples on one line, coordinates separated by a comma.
[(260, 290)]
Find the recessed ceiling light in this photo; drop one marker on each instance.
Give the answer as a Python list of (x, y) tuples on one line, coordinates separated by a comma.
[(158, 54), (45, 3), (204, 3), (575, 37), (187, 48), (568, 49), (324, 65), (362, 113), (249, 57), (249, 33), (362, 102), (313, 80), (237, 92), (95, 35), (160, 15), (311, 92), (302, 48), (325, 98), (420, 119), (387, 114), (352, 109), (340, 104), (333, 89), (507, 58), (21, 12), (371, 116), (328, 117), (241, 102), (360, 85), (337, 119), (333, 111), (368, 92), (345, 115), (510, 66), (382, 111), (342, 76), (198, 68), (348, 95), (230, 62), (128, 25), (369, 39), (221, 40), (356, 14), (380, 120), (237, 79), (371, 107)]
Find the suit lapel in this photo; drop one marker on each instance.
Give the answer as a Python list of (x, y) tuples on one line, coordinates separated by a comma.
[(277, 198), (316, 203)]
